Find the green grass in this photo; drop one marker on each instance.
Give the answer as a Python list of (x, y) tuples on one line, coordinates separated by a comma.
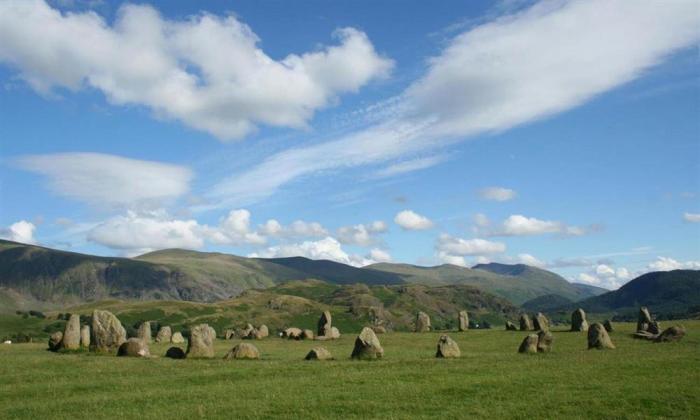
[(639, 379)]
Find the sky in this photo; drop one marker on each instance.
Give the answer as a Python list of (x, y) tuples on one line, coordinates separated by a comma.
[(559, 134)]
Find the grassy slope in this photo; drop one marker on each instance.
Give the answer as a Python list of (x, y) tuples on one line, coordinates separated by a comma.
[(639, 379)]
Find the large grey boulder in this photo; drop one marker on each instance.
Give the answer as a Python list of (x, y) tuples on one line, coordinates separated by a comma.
[(164, 335), (85, 336), (463, 320), (133, 347), (144, 332), (674, 333), (367, 346), (447, 348), (525, 323), (318, 353), (71, 334), (55, 341), (545, 339), (107, 332), (540, 322), (578, 320), (243, 351), (422, 322), (324, 324), (598, 337), (529, 344), (201, 342)]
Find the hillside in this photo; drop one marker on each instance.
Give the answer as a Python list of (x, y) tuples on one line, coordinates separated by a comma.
[(589, 291), (547, 303), (334, 272), (668, 293)]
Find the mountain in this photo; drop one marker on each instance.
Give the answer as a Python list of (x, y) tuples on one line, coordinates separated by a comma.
[(547, 303), (669, 293), (335, 272), (587, 290), (518, 283)]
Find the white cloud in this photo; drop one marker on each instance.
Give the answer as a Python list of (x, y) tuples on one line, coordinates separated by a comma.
[(410, 220), (409, 166), (363, 235), (519, 225), (108, 180), (516, 69), (22, 231), (380, 255), (531, 260), (603, 275), (497, 194), (207, 71), (692, 217), (668, 264), (446, 258), (298, 228), (451, 245), (234, 229)]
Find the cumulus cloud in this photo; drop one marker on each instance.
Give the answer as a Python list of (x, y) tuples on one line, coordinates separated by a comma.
[(451, 245), (380, 255), (410, 220), (298, 228), (603, 275), (207, 71), (21, 231), (513, 70), (692, 217), (668, 264), (362, 234), (497, 194), (108, 180), (327, 248), (519, 225)]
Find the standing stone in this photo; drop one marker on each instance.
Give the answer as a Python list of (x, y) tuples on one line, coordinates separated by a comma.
[(598, 337), (177, 338), (540, 322), (324, 324), (643, 319), (229, 334), (263, 332), (335, 333), (71, 334), (367, 346), (608, 326), (247, 331), (525, 323), (422, 322), (529, 344), (674, 333), (292, 333), (447, 348), (175, 353), (85, 336), (133, 347), (243, 351), (510, 326), (307, 335), (55, 340), (654, 327), (144, 332), (544, 341), (165, 334), (201, 342), (107, 332), (578, 320), (379, 329), (319, 353), (463, 320)]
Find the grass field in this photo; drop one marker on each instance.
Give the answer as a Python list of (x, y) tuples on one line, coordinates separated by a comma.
[(639, 379)]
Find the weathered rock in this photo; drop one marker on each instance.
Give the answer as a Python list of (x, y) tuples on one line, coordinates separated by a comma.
[(608, 326), (55, 341), (578, 320), (307, 335), (335, 333), (243, 351), (324, 324), (598, 337), (144, 332), (529, 344), (247, 331), (229, 334), (379, 329), (71, 334), (643, 319), (674, 333), (422, 322), (319, 353), (545, 339), (540, 322), (447, 348), (212, 331), (510, 326), (654, 327), (367, 346), (201, 342), (644, 335), (107, 332), (463, 320), (175, 353), (85, 336), (525, 323), (263, 332), (165, 334), (134, 347), (292, 333), (177, 338)]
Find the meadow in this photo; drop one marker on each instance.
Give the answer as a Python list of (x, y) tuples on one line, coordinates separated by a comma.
[(639, 379)]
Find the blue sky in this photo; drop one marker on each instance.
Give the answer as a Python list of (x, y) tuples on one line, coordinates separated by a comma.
[(557, 134)]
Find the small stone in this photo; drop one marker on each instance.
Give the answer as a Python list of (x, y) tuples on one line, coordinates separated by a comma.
[(598, 337), (540, 322), (510, 326), (307, 335), (177, 338), (525, 323), (144, 332), (133, 347), (422, 322), (85, 336), (367, 346), (578, 320), (175, 353), (674, 333), (319, 353), (529, 344), (292, 333), (544, 341), (55, 340), (463, 320), (447, 348), (71, 334), (165, 334), (243, 351)]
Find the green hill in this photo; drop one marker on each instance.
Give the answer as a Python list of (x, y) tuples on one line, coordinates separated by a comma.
[(335, 272), (588, 291), (546, 303)]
